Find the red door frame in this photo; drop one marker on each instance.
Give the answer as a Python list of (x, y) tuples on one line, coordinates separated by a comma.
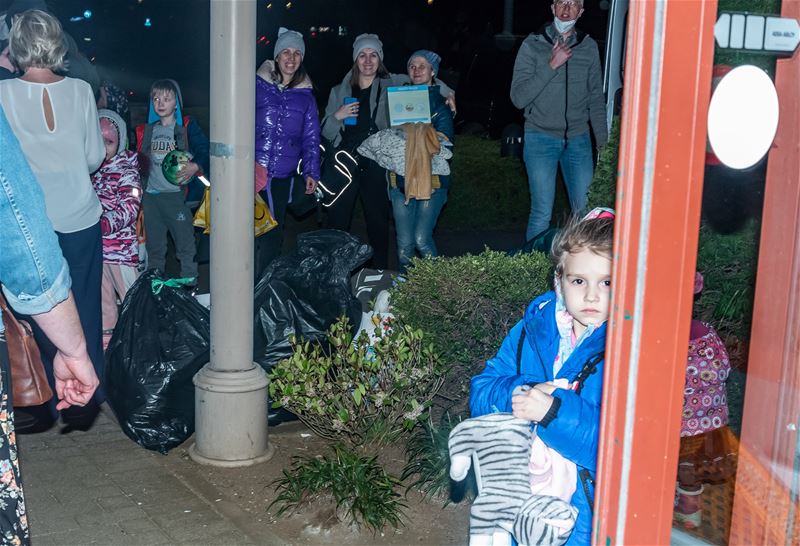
[(763, 505), (668, 80)]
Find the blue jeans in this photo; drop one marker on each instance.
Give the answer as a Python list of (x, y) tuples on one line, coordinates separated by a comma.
[(543, 153), (414, 223)]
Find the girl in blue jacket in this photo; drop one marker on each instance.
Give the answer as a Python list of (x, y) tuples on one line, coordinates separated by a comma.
[(562, 335)]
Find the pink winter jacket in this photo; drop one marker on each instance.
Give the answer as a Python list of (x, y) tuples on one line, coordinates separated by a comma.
[(120, 192)]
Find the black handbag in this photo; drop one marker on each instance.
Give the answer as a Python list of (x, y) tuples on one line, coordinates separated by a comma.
[(339, 167), (302, 203), (340, 164)]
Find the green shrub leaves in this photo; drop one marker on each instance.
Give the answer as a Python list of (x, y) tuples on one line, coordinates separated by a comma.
[(467, 304), (354, 392)]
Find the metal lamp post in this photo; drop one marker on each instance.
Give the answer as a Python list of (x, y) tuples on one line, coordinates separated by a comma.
[(231, 391)]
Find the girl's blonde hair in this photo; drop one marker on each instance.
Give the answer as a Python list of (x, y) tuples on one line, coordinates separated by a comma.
[(37, 40), (595, 234)]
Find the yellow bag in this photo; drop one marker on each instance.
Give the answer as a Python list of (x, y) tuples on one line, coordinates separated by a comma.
[(263, 218)]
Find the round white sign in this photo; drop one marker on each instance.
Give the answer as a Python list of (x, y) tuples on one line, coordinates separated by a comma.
[(743, 117)]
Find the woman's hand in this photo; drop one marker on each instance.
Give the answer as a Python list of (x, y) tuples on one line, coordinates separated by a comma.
[(311, 185), (532, 405), (75, 378), (346, 111), (260, 176), (188, 171), (451, 102)]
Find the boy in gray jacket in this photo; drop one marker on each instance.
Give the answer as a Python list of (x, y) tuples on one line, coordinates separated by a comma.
[(558, 83)]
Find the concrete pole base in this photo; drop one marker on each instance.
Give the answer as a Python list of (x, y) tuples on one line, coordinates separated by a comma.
[(200, 459), (231, 417)]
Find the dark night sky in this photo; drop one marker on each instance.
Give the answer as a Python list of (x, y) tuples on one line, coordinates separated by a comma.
[(177, 43)]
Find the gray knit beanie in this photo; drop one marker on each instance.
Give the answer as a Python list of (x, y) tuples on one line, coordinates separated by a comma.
[(367, 41), (289, 38)]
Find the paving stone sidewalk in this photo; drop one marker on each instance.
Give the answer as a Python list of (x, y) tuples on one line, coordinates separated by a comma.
[(99, 487)]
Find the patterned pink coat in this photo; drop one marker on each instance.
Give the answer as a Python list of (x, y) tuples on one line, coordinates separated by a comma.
[(120, 191), (705, 405)]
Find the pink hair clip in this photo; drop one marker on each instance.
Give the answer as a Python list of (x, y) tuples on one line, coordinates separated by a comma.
[(600, 212)]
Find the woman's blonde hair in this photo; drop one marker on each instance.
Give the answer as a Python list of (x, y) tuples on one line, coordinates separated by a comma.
[(37, 40), (595, 234)]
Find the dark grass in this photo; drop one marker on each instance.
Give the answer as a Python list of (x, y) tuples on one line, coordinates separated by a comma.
[(486, 191), (428, 456), (728, 263), (363, 492)]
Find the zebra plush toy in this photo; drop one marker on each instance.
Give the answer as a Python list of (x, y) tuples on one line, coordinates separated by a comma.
[(501, 445)]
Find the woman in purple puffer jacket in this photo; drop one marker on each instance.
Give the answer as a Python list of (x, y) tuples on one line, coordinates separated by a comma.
[(287, 132)]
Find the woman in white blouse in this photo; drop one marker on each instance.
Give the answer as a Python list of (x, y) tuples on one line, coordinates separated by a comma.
[(55, 120)]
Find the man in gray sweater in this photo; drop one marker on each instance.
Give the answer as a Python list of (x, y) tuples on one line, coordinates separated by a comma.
[(558, 83)]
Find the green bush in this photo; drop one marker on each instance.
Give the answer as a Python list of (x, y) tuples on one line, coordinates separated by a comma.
[(355, 392), (467, 304), (487, 191), (602, 192), (364, 494)]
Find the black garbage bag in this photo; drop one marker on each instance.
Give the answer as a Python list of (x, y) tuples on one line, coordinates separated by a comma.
[(303, 293), (161, 341)]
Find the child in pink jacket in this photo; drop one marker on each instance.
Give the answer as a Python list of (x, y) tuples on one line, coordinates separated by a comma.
[(708, 446), (119, 189)]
